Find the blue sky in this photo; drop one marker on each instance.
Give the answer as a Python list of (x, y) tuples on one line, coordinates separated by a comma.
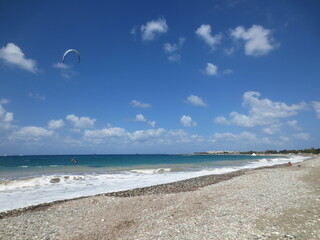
[(159, 76)]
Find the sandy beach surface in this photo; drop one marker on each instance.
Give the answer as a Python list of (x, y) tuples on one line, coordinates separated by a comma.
[(269, 203)]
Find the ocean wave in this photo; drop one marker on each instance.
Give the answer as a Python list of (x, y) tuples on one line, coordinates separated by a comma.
[(151, 171)]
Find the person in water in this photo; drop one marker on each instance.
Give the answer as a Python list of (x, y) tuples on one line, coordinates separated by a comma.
[(74, 161)]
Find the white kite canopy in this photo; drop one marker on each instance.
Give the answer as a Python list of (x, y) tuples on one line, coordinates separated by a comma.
[(67, 52)]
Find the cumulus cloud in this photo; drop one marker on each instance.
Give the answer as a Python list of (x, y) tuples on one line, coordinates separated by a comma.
[(231, 137), (80, 122), (149, 136), (187, 121), (139, 104), (173, 48), (204, 32), (8, 117), (31, 133), (113, 132), (258, 40), (196, 100), (12, 55), (211, 70), (5, 117), (153, 29), (261, 111), (316, 106), (56, 124), (143, 135), (141, 118)]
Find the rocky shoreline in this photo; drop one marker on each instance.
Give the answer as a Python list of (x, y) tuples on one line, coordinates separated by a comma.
[(277, 202)]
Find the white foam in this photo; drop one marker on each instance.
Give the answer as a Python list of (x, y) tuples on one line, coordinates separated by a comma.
[(151, 171)]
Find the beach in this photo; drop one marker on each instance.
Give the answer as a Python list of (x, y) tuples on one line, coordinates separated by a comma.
[(280, 202)]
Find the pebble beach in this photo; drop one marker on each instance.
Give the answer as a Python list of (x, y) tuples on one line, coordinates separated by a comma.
[(281, 202)]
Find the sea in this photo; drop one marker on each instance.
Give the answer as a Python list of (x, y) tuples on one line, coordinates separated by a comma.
[(32, 180)]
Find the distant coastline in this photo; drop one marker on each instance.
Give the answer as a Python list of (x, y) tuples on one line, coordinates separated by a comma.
[(308, 151)]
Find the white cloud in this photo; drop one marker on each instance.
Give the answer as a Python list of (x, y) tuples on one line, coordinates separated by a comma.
[(258, 40), (4, 101), (302, 136), (150, 137), (294, 124), (65, 70), (56, 124), (37, 96), (227, 71), (170, 48), (153, 29), (204, 32), (4, 115), (261, 111), (196, 100), (316, 106), (187, 121), (143, 135), (211, 69), (141, 118), (81, 122), (152, 123), (231, 137), (106, 133), (2, 110), (13, 56), (31, 133), (133, 30), (136, 103), (174, 58), (60, 65), (271, 130), (8, 117)]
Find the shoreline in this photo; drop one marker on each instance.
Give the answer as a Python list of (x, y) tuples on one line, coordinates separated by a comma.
[(277, 202), (186, 185)]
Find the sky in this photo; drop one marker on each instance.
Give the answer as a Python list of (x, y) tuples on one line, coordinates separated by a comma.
[(159, 76)]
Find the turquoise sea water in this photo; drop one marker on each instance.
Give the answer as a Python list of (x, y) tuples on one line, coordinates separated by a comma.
[(30, 180)]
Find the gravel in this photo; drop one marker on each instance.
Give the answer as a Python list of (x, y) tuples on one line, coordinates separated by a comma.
[(268, 203)]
